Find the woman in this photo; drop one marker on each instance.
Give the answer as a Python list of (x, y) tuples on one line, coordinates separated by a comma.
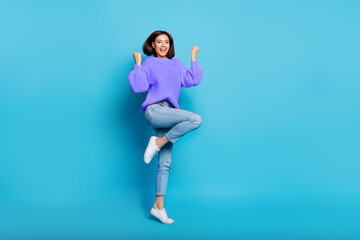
[(162, 76)]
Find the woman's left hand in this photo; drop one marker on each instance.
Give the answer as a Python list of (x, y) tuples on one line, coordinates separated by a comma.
[(194, 51)]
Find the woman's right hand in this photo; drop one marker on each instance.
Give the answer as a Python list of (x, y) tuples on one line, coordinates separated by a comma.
[(137, 57)]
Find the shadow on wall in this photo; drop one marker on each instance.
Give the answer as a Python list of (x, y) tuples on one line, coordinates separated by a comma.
[(132, 128)]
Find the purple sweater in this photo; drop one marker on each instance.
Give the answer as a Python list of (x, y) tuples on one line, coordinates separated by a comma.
[(163, 78)]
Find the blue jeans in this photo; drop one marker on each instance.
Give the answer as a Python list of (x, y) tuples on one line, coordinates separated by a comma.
[(173, 123)]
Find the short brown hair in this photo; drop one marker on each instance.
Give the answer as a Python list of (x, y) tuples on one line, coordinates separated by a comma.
[(149, 50)]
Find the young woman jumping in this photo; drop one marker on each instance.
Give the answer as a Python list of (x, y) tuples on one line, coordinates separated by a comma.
[(162, 76)]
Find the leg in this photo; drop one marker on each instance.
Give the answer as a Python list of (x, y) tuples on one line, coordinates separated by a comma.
[(178, 121), (183, 127), (163, 169), (160, 142), (159, 202)]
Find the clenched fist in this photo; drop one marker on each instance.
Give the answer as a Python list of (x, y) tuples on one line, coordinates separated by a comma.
[(194, 51), (137, 57)]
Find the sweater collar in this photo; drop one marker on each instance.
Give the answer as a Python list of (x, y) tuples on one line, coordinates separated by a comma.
[(161, 59)]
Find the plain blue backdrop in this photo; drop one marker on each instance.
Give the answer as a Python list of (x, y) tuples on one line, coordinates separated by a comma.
[(277, 154)]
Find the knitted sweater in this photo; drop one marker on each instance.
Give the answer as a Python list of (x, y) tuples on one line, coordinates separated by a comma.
[(163, 78)]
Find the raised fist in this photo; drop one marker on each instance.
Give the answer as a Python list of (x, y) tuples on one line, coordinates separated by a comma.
[(194, 51), (137, 57)]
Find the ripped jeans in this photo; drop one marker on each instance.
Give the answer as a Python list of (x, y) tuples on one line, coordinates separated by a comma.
[(173, 123)]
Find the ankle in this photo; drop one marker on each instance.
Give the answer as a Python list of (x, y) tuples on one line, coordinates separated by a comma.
[(158, 207), (158, 145)]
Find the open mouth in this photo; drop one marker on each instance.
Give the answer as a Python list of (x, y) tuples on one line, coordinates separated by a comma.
[(162, 50)]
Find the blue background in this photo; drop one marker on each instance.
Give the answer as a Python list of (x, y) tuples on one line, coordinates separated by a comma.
[(277, 154)]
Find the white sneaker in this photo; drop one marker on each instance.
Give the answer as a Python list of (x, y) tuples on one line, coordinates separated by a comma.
[(161, 215), (151, 150)]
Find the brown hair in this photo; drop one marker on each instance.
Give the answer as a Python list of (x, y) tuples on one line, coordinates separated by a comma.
[(148, 49)]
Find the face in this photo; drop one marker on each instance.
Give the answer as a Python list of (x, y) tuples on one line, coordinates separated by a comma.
[(161, 45)]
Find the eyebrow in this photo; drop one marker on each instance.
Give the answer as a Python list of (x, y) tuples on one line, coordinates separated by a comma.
[(161, 40)]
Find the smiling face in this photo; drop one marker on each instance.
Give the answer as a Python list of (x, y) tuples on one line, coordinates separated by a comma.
[(161, 45)]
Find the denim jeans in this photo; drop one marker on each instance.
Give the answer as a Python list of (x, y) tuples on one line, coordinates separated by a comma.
[(173, 123)]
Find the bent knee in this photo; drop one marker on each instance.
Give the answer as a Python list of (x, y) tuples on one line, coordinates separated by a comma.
[(196, 120)]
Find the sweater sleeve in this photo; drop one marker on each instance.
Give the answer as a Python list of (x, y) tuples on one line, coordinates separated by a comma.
[(139, 79), (192, 76)]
